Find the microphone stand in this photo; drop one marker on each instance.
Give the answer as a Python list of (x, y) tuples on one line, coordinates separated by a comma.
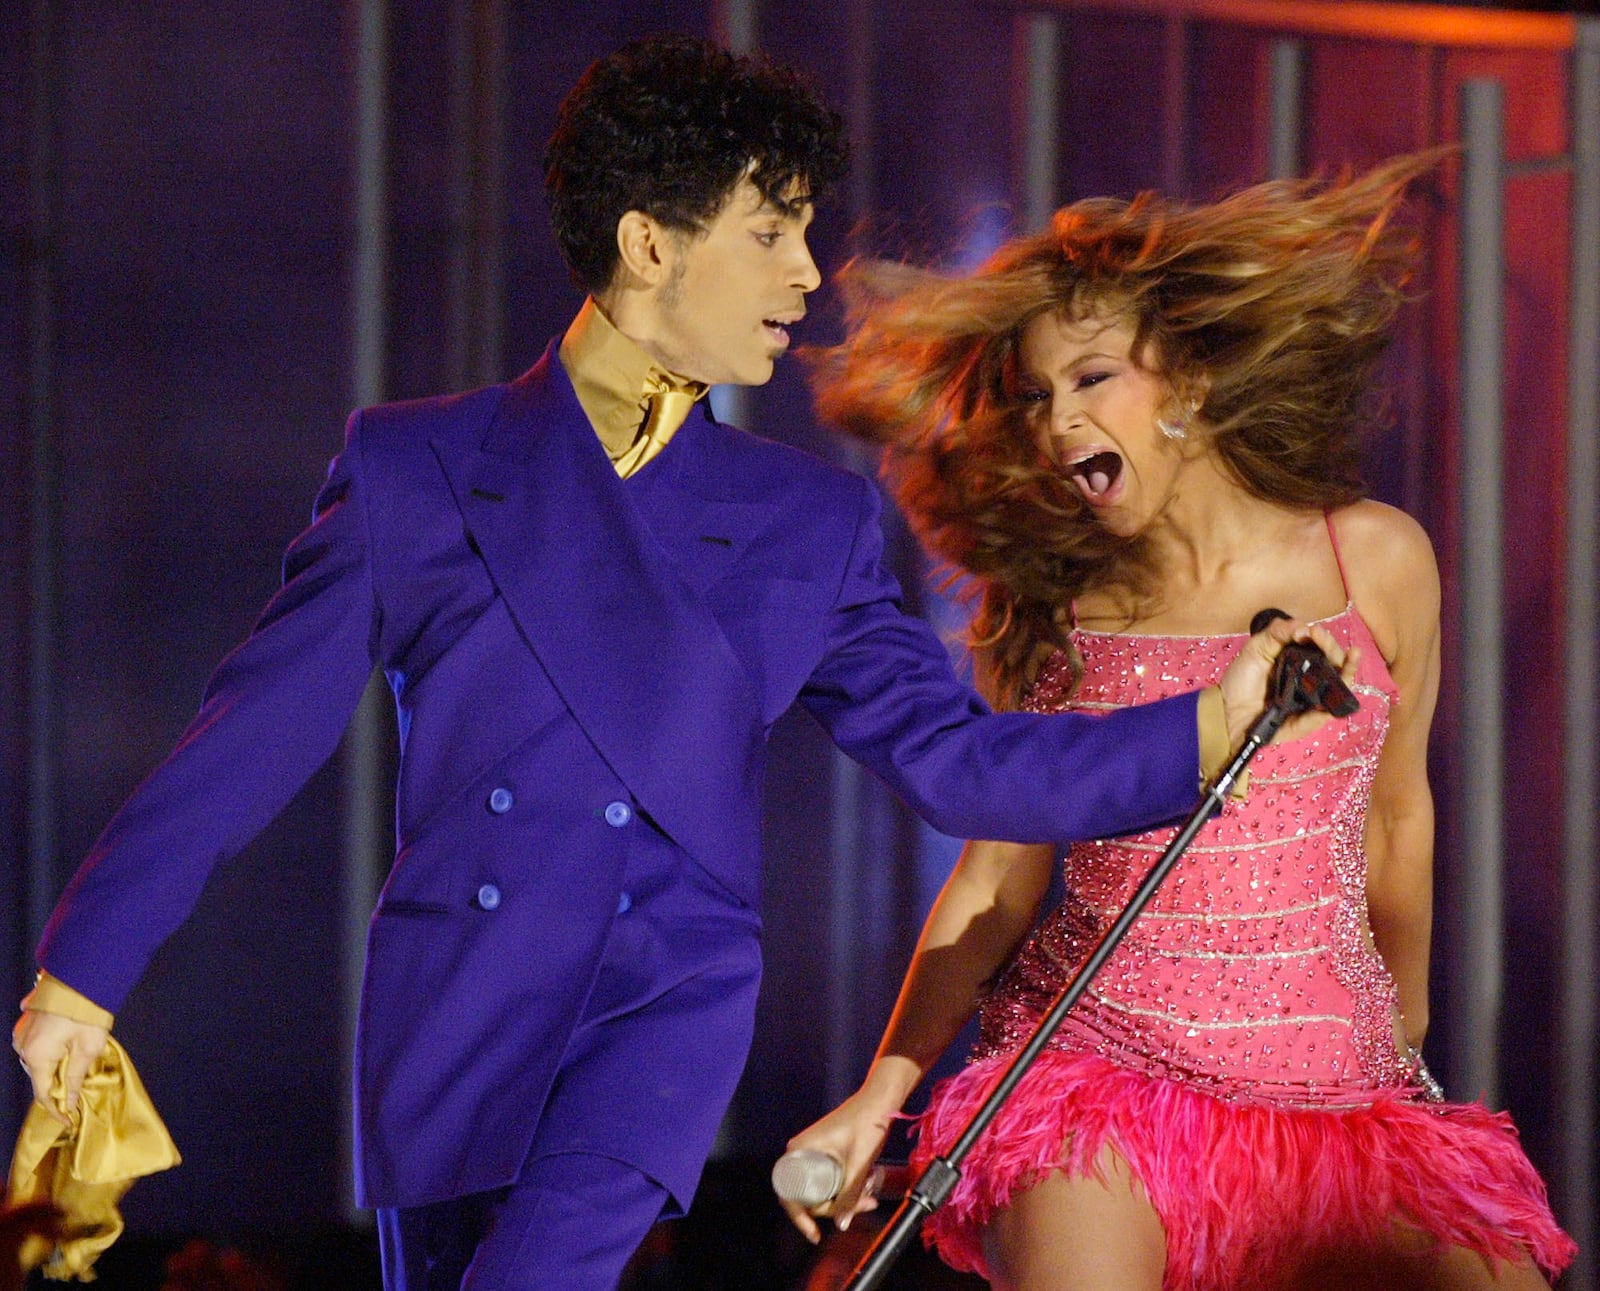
[(934, 1186)]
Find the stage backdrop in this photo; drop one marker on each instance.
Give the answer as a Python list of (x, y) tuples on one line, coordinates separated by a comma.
[(225, 225)]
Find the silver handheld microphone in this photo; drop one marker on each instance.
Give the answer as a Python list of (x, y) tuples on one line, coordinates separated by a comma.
[(807, 1177)]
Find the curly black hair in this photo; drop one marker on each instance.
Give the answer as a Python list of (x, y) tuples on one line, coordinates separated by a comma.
[(668, 125)]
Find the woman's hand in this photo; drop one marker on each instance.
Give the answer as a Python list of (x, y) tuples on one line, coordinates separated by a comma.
[(852, 1134)]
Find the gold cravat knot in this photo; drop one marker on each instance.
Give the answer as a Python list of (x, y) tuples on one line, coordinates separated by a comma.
[(667, 401)]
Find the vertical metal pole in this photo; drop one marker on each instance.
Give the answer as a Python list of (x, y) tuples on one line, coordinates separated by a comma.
[(863, 104), (1175, 105), (477, 216), (1286, 105), (1476, 992), (1577, 1089), (42, 822), (735, 25), (488, 359), (369, 331), (1040, 41), (361, 763)]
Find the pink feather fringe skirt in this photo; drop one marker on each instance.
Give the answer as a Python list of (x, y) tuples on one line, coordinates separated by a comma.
[(1244, 1191)]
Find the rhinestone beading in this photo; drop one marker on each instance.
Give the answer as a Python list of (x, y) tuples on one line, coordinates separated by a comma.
[(1252, 975)]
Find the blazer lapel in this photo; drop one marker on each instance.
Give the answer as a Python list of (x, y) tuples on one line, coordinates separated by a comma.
[(643, 666), (706, 533)]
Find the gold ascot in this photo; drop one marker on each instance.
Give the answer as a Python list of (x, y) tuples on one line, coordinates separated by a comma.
[(84, 1167), (634, 405), (666, 402)]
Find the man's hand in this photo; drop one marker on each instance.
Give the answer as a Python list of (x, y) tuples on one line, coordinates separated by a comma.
[(43, 1039), (1244, 686)]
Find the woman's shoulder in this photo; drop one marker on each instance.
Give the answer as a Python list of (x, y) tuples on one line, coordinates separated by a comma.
[(1390, 570), (1383, 541), (1370, 518)]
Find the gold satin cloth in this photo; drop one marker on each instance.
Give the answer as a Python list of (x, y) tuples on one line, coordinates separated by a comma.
[(85, 1167)]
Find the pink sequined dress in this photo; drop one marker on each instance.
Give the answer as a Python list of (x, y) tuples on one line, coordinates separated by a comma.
[(1239, 1050)]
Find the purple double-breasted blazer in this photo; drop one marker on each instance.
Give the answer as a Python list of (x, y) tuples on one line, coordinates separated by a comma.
[(556, 651)]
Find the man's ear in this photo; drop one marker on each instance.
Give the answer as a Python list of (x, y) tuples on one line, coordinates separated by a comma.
[(645, 250)]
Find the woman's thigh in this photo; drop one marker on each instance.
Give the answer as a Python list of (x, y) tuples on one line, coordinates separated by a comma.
[(1068, 1233), (1414, 1264)]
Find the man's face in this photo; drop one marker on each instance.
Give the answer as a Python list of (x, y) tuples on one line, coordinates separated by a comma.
[(732, 292)]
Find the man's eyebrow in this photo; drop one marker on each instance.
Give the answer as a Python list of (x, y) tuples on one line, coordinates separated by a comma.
[(791, 208)]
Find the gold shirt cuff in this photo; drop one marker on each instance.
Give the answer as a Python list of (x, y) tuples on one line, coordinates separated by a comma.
[(55, 995), (1211, 719), (52, 995)]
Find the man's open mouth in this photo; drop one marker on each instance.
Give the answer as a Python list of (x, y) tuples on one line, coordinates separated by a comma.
[(780, 326)]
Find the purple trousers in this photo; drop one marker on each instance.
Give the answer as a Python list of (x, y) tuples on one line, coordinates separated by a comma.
[(680, 963), (571, 1221)]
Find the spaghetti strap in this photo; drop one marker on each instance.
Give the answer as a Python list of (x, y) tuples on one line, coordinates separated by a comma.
[(1333, 539)]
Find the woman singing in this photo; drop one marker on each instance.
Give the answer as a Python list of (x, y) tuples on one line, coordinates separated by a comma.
[(1134, 431)]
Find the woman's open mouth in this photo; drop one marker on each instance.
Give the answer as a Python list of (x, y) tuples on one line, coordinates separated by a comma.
[(1096, 475)]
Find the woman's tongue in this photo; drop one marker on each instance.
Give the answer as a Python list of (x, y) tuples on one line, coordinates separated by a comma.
[(1095, 475)]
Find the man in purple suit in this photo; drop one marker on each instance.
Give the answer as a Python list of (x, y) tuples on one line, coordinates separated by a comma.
[(591, 602)]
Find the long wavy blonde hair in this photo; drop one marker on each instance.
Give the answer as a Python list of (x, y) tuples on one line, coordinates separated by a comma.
[(1273, 305)]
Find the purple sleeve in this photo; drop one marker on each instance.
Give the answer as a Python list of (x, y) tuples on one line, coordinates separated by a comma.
[(273, 712), (887, 694)]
